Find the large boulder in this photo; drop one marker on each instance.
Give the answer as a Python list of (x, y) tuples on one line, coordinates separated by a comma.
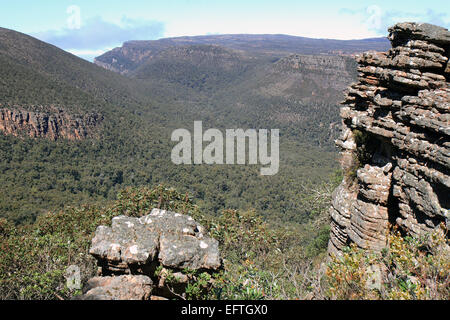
[(168, 238), (420, 31), (137, 255)]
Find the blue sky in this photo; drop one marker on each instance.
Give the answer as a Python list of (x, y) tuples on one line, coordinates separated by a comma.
[(90, 27)]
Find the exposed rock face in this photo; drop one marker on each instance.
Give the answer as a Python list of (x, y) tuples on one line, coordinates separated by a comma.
[(138, 246), (395, 147), (328, 71), (134, 54), (49, 123)]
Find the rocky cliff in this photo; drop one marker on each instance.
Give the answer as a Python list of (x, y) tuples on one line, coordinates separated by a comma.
[(51, 123), (134, 54), (333, 72), (395, 148)]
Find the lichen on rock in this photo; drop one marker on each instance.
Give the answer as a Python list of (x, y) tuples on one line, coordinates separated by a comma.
[(164, 240)]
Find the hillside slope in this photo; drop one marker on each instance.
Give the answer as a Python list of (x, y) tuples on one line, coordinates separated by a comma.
[(45, 88), (246, 88), (35, 72)]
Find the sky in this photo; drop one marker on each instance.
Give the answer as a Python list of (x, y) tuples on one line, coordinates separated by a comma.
[(89, 28)]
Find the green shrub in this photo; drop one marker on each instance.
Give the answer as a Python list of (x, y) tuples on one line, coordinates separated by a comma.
[(34, 258), (410, 268), (136, 202), (363, 153)]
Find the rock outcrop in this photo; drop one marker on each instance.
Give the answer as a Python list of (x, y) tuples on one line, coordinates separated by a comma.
[(133, 249), (51, 123), (395, 148)]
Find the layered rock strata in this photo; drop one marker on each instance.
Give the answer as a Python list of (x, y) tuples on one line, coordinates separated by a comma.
[(395, 148), (52, 124)]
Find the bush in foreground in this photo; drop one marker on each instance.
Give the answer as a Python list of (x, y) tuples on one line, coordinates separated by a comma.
[(407, 269), (262, 260)]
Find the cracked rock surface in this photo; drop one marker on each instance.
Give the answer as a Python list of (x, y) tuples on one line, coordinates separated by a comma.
[(135, 247)]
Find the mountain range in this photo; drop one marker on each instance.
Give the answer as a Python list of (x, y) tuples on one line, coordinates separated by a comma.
[(135, 53), (77, 132)]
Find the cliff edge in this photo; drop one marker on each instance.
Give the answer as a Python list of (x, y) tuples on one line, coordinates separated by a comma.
[(395, 148)]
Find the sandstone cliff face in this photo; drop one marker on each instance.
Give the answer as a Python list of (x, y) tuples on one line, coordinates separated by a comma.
[(328, 71), (126, 58), (395, 148), (50, 123)]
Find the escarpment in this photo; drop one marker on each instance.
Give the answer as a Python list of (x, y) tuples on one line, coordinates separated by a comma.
[(51, 123), (395, 148), (332, 72)]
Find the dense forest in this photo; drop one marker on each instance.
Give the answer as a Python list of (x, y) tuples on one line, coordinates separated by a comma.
[(219, 86)]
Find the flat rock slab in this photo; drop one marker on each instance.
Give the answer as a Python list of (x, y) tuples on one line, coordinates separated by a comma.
[(420, 31)]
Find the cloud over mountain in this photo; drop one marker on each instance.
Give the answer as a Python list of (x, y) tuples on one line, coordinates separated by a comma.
[(378, 19), (96, 34)]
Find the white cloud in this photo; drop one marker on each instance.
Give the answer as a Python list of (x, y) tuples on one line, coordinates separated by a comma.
[(88, 54), (95, 36), (96, 33), (377, 20), (375, 15), (81, 52)]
